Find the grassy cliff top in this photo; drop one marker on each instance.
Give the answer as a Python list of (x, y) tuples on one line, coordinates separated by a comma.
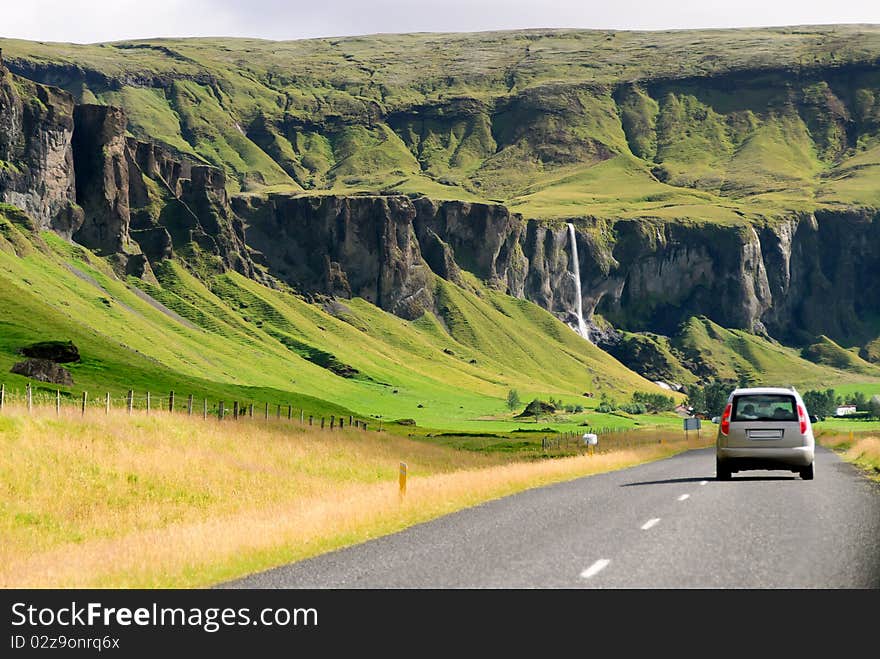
[(401, 68), (717, 125)]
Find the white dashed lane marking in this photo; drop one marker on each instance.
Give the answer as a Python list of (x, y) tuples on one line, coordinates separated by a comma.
[(703, 482), (595, 568), (602, 563)]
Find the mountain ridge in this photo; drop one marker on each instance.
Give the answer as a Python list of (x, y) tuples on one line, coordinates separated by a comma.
[(351, 114)]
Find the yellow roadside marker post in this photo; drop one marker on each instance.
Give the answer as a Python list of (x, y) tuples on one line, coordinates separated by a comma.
[(402, 479)]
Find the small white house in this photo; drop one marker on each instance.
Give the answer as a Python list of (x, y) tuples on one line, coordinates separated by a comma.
[(845, 410)]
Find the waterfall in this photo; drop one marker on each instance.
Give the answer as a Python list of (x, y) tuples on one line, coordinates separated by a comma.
[(582, 326)]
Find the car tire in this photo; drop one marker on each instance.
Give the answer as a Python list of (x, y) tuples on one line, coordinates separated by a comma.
[(807, 473), (722, 471)]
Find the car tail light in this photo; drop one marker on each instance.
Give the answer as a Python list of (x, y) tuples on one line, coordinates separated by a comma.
[(802, 417), (725, 419)]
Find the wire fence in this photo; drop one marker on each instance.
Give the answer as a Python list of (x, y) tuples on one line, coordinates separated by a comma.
[(148, 403)]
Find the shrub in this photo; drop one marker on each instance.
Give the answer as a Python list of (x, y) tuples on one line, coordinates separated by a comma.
[(874, 404), (634, 408), (821, 403), (513, 400), (654, 402)]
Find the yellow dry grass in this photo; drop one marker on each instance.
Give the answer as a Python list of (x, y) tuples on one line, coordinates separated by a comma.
[(159, 501), (861, 450)]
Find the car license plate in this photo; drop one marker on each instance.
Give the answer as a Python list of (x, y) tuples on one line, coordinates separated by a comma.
[(769, 433)]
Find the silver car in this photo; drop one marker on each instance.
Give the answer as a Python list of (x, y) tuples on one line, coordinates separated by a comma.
[(764, 428)]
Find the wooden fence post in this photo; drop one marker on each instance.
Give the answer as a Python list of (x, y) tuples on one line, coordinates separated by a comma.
[(130, 400), (322, 423), (57, 402), (171, 401), (220, 411), (30, 398), (302, 414), (310, 419), (205, 408), (107, 403), (289, 412), (148, 402), (189, 405), (332, 421), (2, 396), (349, 420), (266, 415), (235, 409), (278, 412), (85, 397), (251, 410)]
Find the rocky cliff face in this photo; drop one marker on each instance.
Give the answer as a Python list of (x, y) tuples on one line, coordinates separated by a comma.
[(824, 275), (36, 158), (342, 246), (655, 275), (74, 170), (102, 179), (801, 276)]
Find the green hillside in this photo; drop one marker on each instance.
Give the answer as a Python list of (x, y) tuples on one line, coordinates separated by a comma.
[(825, 351), (731, 354), (703, 350), (230, 338)]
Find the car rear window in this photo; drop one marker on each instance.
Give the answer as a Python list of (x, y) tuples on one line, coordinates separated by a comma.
[(764, 407)]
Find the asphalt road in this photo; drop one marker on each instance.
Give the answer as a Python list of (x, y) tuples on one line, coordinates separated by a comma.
[(668, 524)]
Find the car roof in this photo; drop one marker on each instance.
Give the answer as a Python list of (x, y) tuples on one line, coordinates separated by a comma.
[(765, 390)]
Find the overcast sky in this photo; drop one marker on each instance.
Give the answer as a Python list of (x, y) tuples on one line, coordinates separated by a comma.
[(87, 21)]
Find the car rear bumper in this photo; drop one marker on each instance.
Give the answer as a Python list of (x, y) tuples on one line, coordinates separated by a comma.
[(765, 457)]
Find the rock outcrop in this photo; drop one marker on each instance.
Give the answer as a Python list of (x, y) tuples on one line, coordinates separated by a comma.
[(102, 179), (36, 158), (73, 169), (60, 352), (342, 246), (43, 370)]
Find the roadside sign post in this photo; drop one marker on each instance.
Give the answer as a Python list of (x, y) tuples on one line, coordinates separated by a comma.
[(691, 424), (591, 440)]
